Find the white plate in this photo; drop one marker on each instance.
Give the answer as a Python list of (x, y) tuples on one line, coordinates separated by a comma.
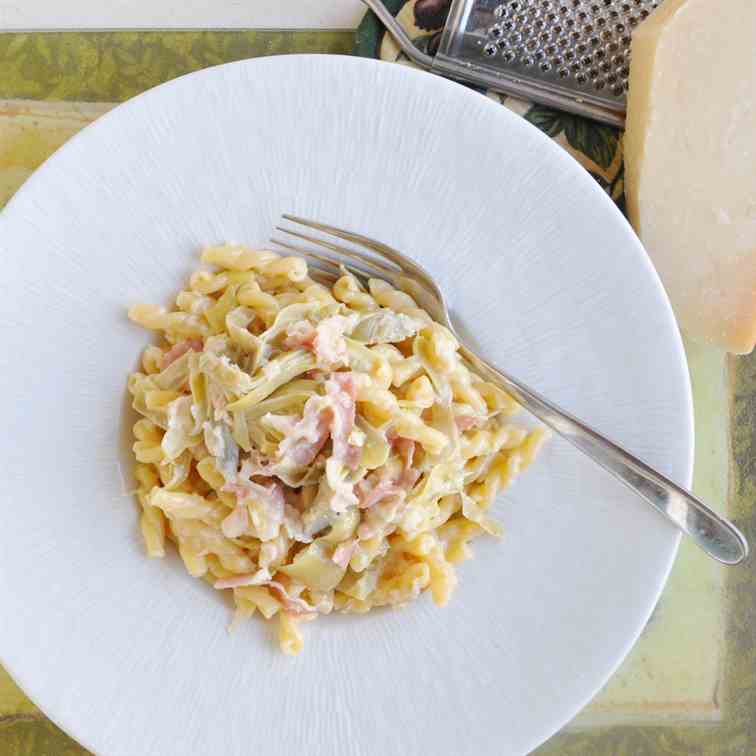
[(131, 656)]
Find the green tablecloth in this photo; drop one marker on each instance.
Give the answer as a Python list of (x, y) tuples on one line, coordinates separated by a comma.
[(689, 686)]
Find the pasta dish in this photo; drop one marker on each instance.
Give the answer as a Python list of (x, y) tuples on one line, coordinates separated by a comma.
[(314, 448)]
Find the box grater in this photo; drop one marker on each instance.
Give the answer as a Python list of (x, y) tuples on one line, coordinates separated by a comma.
[(573, 55)]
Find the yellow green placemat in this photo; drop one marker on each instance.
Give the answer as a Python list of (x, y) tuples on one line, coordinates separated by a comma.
[(51, 86), (54, 84), (114, 66)]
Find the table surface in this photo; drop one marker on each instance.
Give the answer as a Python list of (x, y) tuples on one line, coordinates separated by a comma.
[(689, 685), (180, 14)]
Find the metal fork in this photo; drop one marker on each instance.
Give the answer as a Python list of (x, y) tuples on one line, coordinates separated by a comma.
[(367, 259)]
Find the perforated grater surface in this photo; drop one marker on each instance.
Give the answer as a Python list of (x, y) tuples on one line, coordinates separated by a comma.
[(571, 54)]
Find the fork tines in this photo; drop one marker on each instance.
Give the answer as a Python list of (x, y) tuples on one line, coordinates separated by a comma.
[(330, 256)]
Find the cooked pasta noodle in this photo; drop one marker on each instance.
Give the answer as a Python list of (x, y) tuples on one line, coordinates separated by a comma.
[(311, 449)]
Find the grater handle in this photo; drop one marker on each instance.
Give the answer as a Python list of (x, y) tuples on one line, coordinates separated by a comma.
[(397, 32)]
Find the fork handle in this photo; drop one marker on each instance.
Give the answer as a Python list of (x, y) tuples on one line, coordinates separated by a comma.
[(718, 537)]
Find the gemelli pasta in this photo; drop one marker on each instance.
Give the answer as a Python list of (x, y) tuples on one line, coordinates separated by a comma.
[(313, 449)]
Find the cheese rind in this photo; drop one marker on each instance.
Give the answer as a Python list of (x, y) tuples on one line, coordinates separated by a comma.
[(690, 161)]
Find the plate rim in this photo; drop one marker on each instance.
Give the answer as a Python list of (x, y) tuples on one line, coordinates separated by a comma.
[(557, 153)]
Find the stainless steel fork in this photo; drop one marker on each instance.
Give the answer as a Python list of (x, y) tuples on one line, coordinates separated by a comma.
[(366, 259)]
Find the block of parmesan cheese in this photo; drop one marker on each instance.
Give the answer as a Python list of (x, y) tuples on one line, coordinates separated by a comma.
[(690, 152)]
